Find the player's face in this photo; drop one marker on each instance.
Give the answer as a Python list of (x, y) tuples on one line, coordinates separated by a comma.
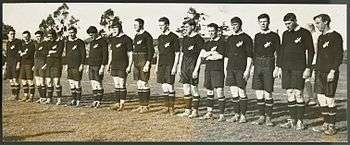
[(50, 37), (290, 24), (11, 35), (115, 31), (212, 32), (93, 35), (188, 29), (137, 26), (235, 27), (72, 34), (264, 23), (38, 37), (26, 37), (163, 27), (320, 24)]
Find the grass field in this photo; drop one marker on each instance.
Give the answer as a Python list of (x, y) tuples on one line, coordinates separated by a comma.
[(38, 122)]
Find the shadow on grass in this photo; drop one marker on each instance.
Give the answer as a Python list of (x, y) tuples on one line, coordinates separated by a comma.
[(20, 138)]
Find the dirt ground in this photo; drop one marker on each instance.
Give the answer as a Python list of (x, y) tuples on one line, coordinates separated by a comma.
[(37, 122)]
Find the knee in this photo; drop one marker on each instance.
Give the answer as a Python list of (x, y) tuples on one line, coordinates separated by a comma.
[(259, 94), (219, 92), (267, 95), (330, 102), (234, 91), (241, 93), (322, 100), (298, 96)]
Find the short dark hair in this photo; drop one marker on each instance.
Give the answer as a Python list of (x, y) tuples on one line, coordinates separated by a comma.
[(39, 32), (324, 18), (140, 21), (190, 22), (91, 29), (290, 17), (26, 32), (73, 28), (264, 16), (215, 26), (236, 20), (11, 29), (165, 20)]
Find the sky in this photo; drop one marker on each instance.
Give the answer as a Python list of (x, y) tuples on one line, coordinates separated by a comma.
[(27, 16)]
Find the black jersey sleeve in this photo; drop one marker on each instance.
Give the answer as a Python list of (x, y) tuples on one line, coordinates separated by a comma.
[(338, 55), (249, 46), (150, 49), (309, 45), (104, 51)]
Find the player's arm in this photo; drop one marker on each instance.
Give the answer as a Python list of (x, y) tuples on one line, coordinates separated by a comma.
[(109, 57), (130, 55), (177, 56), (249, 52), (202, 54), (150, 51)]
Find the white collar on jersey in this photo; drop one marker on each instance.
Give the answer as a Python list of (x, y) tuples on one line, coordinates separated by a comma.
[(296, 28), (216, 39), (265, 32), (166, 32), (329, 31), (70, 39), (193, 34), (27, 42), (238, 33), (140, 32), (120, 34)]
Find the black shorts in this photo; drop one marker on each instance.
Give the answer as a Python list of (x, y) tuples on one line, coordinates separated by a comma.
[(235, 78), (187, 69), (263, 78), (324, 87), (164, 74), (121, 73), (293, 79), (11, 71), (94, 73), (53, 71), (74, 74), (139, 63), (214, 79), (26, 72), (38, 64)]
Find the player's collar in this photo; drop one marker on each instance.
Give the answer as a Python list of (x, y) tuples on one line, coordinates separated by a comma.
[(27, 42), (265, 32), (120, 34), (166, 32), (238, 33), (193, 34), (216, 39), (140, 32), (329, 31), (70, 39), (296, 28)]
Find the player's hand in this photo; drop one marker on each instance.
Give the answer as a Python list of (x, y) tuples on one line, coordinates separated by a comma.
[(173, 71), (81, 68), (17, 66), (33, 68), (109, 69), (65, 67), (43, 67), (313, 74), (100, 72), (330, 76), (279, 73), (225, 73), (195, 74), (275, 72), (306, 73), (128, 69), (156, 70), (87, 69), (246, 75), (145, 67)]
